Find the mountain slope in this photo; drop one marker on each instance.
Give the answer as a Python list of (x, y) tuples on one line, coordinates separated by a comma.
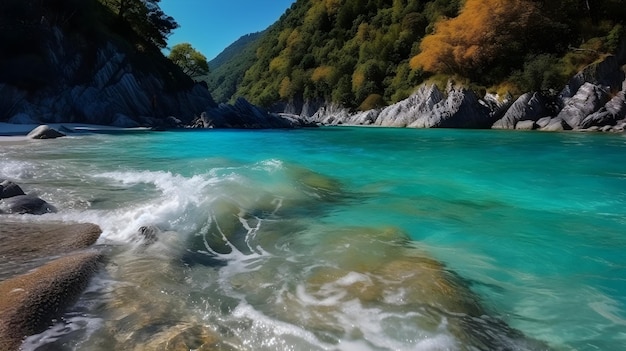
[(368, 53), (228, 68)]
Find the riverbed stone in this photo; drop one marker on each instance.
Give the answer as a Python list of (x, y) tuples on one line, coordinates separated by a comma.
[(26, 204), (26, 245), (9, 189), (31, 301), (525, 125)]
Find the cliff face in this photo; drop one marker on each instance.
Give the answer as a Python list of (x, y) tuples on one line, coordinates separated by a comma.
[(101, 87)]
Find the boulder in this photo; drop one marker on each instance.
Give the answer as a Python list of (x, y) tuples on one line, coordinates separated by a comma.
[(26, 204), (149, 234), (408, 111), (555, 124), (331, 114), (30, 302), (9, 189), (28, 245), (588, 99), (525, 125), (123, 121), (529, 106), (613, 111), (44, 132), (460, 109), (605, 73), (543, 122)]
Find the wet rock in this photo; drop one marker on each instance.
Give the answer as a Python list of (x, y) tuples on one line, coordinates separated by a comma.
[(26, 245), (9, 189), (605, 73), (123, 121), (543, 122), (525, 125), (460, 109), (149, 234), (555, 124), (529, 106), (417, 106), (44, 132), (183, 337), (613, 111), (588, 99), (244, 115), (31, 301), (26, 204)]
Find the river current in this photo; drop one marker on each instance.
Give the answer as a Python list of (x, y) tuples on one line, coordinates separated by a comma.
[(340, 238)]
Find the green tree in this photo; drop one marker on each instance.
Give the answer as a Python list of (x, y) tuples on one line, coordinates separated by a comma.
[(146, 18), (192, 62)]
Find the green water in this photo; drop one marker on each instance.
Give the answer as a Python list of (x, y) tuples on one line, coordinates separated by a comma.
[(292, 240)]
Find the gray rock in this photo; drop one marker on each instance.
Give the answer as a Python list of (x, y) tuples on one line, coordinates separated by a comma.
[(606, 73), (407, 112), (588, 99), (613, 111), (555, 124), (242, 114), (22, 118), (526, 125), (44, 132), (26, 204), (529, 106), (123, 121), (9, 189), (542, 122), (460, 109), (331, 114)]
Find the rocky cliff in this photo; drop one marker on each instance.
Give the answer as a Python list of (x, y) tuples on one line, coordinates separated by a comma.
[(106, 85)]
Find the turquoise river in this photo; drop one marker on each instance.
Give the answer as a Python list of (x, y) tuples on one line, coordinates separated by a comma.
[(340, 238)]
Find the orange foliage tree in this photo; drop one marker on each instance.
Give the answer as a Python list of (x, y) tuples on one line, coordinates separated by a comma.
[(484, 31)]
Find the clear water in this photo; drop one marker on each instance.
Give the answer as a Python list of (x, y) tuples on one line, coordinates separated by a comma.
[(341, 238)]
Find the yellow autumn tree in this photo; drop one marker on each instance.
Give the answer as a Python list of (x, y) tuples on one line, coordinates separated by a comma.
[(484, 31)]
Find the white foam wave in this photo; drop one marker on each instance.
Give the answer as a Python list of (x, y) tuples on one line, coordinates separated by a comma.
[(16, 170)]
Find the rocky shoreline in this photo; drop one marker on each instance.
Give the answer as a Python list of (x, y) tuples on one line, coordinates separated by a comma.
[(593, 100), (45, 266)]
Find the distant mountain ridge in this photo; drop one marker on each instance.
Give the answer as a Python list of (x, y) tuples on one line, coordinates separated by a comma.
[(228, 68)]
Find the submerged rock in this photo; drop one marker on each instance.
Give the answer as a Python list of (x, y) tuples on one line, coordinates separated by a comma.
[(26, 244), (9, 189), (31, 301), (26, 204)]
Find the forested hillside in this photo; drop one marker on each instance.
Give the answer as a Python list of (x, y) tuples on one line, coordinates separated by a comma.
[(228, 68), (367, 53)]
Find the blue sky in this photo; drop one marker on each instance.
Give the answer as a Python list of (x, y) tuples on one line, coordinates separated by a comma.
[(211, 25)]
